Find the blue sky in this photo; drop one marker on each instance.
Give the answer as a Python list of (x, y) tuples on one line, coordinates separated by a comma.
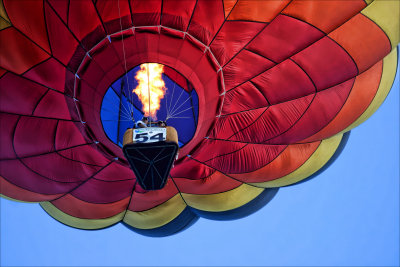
[(347, 216)]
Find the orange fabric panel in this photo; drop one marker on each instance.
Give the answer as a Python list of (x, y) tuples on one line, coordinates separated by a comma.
[(150, 199), (84, 210), (363, 92), (18, 53), (28, 17), (215, 183), (10, 190), (325, 15), (363, 40), (263, 11), (289, 160), (228, 5)]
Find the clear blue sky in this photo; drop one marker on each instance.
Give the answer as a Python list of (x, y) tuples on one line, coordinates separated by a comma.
[(347, 216)]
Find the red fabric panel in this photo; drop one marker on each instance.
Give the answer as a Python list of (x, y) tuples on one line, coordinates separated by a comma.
[(114, 10), (364, 40), (7, 126), (86, 154), (326, 63), (176, 13), (83, 19), (115, 172), (62, 48), (286, 162), (103, 53), (19, 95), (247, 159), (68, 135), (18, 53), (201, 26), (61, 7), (10, 190), (81, 209), (285, 37), (242, 98), (244, 67), (232, 37), (171, 47), (60, 169), (276, 120), (34, 136), (322, 110), (21, 176), (190, 169), (146, 13), (215, 183), (96, 191), (211, 149), (2, 72), (151, 199), (29, 20), (177, 78), (53, 105), (49, 73), (284, 82), (226, 126)]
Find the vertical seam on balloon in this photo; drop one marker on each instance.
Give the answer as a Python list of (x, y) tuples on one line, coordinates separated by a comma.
[(266, 25), (191, 16), (161, 11), (130, 11), (225, 19), (45, 24), (311, 80), (83, 182), (69, 4), (101, 20), (40, 99), (348, 54), (269, 104), (179, 191)]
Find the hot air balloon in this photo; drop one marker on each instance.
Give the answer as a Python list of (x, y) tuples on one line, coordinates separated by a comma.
[(262, 94)]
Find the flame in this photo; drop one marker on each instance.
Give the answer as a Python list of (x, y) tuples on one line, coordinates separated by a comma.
[(149, 77)]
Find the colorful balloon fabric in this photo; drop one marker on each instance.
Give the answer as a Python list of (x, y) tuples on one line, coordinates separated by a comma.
[(278, 84)]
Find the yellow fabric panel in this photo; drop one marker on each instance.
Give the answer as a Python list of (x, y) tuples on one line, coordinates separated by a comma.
[(88, 224), (223, 201), (318, 159), (388, 75), (228, 5), (3, 13), (4, 24), (158, 216), (13, 199), (368, 1), (385, 13)]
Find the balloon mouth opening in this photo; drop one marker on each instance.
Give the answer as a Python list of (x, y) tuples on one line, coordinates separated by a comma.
[(126, 101)]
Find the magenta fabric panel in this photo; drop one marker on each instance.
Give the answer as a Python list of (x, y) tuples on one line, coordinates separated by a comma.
[(8, 123), (323, 109), (115, 172), (111, 11), (68, 135), (54, 105), (176, 13), (61, 48), (243, 98), (285, 37), (49, 73), (284, 82), (232, 37), (61, 7), (326, 63), (20, 175), (146, 13), (227, 126), (59, 168), (87, 154), (22, 100), (97, 191), (34, 136), (245, 66), (201, 26), (274, 121)]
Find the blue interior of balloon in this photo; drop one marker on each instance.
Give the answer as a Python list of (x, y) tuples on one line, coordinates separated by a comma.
[(179, 107)]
